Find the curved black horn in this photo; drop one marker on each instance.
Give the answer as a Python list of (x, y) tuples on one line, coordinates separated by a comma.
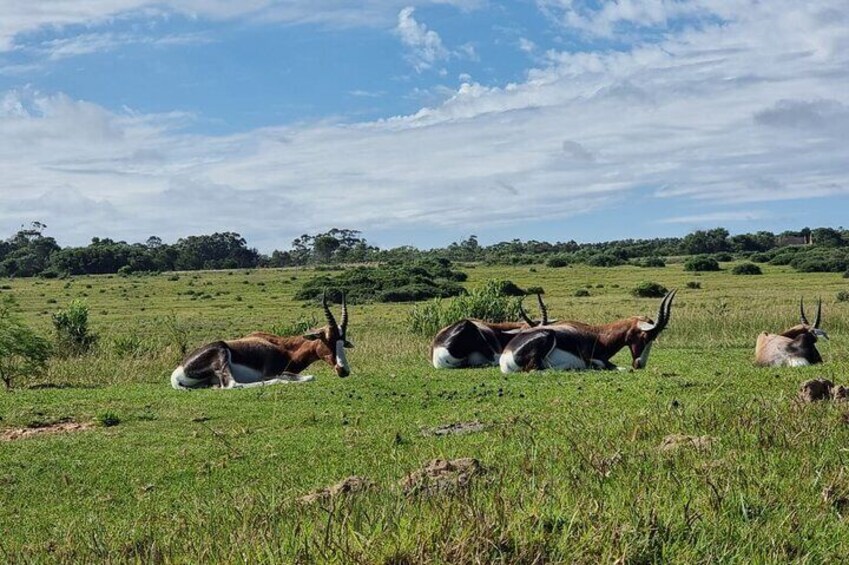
[(525, 316), (663, 313), (802, 316), (331, 321), (819, 314), (344, 327), (543, 311)]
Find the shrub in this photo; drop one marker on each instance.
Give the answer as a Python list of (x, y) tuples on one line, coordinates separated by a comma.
[(604, 260), (821, 261), (508, 288), (760, 257), (557, 261), (486, 303), (22, 351), (650, 262), (694, 285), (582, 292), (73, 336), (843, 296), (389, 282), (649, 290), (129, 345), (108, 419), (701, 263), (746, 269), (723, 256)]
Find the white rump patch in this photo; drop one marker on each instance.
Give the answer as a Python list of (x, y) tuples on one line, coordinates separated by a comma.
[(444, 360), (508, 363), (180, 381)]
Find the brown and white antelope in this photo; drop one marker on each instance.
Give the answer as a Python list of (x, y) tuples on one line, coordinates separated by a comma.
[(264, 359), (795, 347), (476, 343), (577, 346)]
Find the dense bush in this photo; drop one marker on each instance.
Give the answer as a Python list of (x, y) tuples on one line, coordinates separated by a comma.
[(486, 303), (73, 336), (391, 282), (653, 262), (649, 290), (843, 296), (694, 285), (723, 256), (604, 260), (557, 261), (821, 260), (701, 263), (746, 269), (22, 351), (582, 292)]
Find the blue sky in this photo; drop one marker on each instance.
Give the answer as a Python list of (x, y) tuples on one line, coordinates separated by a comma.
[(422, 122)]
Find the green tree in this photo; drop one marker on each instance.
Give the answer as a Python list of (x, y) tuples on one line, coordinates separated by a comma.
[(22, 351)]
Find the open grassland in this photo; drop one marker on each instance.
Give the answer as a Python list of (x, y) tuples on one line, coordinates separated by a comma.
[(574, 472)]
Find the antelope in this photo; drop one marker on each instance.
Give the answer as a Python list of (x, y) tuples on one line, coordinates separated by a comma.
[(578, 346), (262, 358), (795, 347), (476, 343)]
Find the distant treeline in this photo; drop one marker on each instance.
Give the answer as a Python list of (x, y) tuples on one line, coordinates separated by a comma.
[(30, 252)]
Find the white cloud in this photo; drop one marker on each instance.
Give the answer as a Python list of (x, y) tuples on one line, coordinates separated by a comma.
[(752, 110), (714, 218), (526, 45), (424, 45)]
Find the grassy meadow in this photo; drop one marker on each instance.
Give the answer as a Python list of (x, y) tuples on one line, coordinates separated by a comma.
[(574, 472)]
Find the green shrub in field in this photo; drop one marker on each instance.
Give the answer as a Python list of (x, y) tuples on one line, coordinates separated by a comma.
[(22, 351), (582, 292), (653, 262), (820, 260), (389, 282), (108, 419), (486, 303), (746, 269), (723, 256), (73, 336), (648, 289), (694, 285), (129, 345), (701, 263), (843, 296), (604, 260), (557, 262)]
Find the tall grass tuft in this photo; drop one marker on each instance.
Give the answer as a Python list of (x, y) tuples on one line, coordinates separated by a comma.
[(73, 335)]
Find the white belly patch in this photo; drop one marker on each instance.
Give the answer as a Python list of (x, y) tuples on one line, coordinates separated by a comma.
[(244, 374), (563, 361)]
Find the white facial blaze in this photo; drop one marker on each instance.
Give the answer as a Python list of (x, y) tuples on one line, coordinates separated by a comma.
[(341, 360)]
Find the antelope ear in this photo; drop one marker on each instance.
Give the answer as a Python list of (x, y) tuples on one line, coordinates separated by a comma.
[(347, 344), (312, 336), (645, 326)]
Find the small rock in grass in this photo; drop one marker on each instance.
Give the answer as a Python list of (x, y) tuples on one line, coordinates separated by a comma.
[(440, 475), (456, 428), (675, 442), (351, 485)]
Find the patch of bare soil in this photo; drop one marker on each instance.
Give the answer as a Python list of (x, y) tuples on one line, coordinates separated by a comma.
[(457, 428), (815, 390), (13, 434), (674, 442), (440, 475), (351, 485)]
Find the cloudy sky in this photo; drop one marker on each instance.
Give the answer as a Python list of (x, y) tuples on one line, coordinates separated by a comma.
[(422, 121)]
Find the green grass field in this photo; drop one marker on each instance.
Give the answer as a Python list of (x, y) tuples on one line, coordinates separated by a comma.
[(574, 472)]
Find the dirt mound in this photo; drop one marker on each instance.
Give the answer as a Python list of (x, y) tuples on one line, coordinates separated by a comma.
[(351, 485), (815, 390), (674, 442), (440, 475), (457, 428), (13, 434)]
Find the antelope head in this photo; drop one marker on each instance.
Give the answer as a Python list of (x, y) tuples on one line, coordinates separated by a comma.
[(644, 331), (805, 326), (543, 312), (333, 339)]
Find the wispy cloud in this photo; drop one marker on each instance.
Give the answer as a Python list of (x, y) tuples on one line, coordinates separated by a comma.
[(717, 217), (424, 45), (56, 49)]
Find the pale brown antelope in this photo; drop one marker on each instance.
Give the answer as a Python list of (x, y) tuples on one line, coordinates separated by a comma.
[(795, 347), (476, 343), (264, 359), (576, 345)]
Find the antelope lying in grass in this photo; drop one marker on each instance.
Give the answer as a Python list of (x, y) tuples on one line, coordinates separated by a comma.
[(576, 345), (795, 347), (264, 359), (475, 343)]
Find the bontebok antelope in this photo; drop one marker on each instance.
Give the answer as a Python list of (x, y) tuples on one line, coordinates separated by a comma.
[(263, 359), (576, 345), (475, 343), (793, 348)]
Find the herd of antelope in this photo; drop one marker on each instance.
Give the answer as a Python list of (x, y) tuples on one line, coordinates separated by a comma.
[(262, 359)]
